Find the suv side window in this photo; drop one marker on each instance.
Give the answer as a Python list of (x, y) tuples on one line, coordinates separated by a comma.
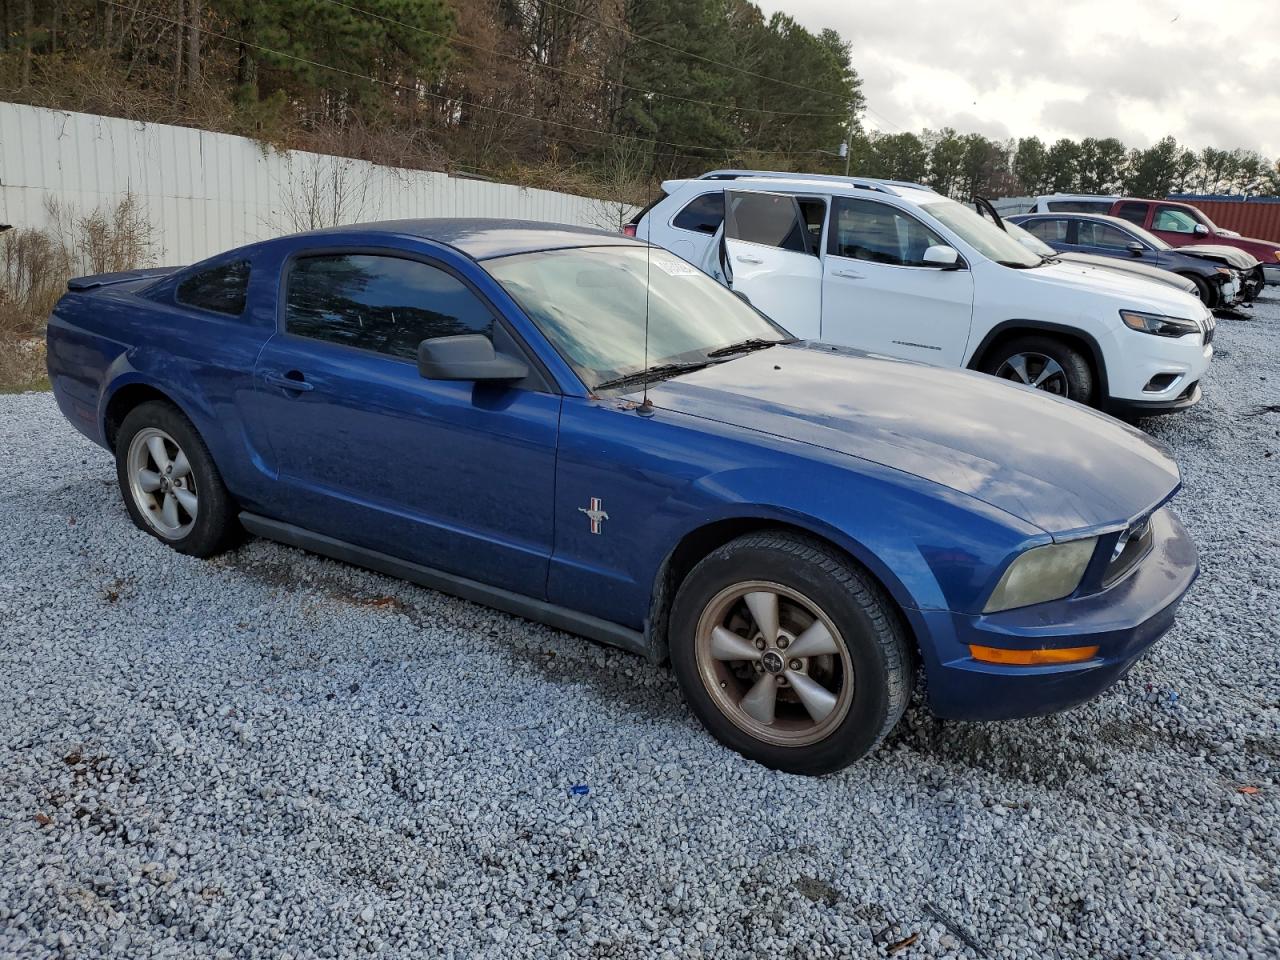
[(1079, 206), (1133, 212), (702, 214), (220, 289), (1093, 234), (769, 219), (879, 233), (1173, 220), (381, 303)]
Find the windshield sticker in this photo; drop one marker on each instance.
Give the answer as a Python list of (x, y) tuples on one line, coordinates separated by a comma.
[(674, 267)]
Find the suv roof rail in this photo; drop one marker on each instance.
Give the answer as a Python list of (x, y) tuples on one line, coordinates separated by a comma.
[(866, 183)]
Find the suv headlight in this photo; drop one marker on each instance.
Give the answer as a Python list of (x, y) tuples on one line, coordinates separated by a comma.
[(1041, 574), (1158, 324)]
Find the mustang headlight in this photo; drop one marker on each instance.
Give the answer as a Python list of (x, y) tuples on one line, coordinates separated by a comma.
[(1161, 326), (1041, 574)]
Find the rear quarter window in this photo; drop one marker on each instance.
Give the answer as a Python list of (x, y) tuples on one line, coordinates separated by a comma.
[(220, 289), (702, 214)]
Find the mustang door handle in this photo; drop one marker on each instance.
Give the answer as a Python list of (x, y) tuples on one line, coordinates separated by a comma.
[(847, 274), (288, 381), (741, 259)]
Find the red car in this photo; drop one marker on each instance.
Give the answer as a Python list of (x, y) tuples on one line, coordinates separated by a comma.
[(1177, 224)]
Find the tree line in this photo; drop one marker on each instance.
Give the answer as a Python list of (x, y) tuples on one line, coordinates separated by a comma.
[(657, 87), (608, 96), (964, 165)]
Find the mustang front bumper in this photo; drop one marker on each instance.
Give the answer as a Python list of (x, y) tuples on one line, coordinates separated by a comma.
[(1122, 621)]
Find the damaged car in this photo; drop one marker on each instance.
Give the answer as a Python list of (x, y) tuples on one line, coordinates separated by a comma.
[(1223, 276)]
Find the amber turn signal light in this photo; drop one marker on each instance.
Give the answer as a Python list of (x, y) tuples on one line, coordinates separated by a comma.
[(1032, 658)]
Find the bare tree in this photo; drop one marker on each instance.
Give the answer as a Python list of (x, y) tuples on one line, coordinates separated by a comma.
[(320, 192), (193, 45)]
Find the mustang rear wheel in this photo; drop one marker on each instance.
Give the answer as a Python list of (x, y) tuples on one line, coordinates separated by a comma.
[(171, 487), (789, 653)]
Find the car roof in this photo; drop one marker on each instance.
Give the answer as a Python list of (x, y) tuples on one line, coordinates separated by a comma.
[(1064, 214), (824, 177), (817, 183), (484, 239)]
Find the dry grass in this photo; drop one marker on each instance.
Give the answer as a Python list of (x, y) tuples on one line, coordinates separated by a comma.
[(35, 265)]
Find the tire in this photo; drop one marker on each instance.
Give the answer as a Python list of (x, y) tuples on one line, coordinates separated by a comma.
[(1207, 295), (858, 653), (150, 491), (1050, 364)]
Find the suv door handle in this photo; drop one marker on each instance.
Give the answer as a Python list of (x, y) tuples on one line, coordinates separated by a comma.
[(847, 274), (292, 381), (743, 259)]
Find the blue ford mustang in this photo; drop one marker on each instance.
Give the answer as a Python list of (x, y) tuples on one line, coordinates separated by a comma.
[(481, 407)]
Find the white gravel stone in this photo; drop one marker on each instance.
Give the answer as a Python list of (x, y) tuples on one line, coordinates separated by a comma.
[(263, 755)]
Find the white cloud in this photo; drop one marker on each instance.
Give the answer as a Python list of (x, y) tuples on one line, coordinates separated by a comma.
[(1206, 73)]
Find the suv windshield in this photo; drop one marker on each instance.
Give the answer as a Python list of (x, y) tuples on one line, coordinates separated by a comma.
[(981, 234), (589, 302)]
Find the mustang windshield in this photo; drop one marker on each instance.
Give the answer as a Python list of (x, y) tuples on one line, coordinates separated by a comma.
[(589, 302), (983, 235)]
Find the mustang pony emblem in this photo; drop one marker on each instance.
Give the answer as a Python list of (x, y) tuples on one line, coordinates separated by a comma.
[(595, 513)]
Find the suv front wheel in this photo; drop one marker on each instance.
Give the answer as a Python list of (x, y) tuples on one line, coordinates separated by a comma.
[(1045, 363)]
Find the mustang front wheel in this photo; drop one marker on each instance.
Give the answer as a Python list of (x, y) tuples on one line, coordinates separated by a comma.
[(789, 653)]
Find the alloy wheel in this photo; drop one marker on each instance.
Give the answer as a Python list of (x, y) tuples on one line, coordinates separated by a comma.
[(1035, 370), (774, 663), (162, 484)]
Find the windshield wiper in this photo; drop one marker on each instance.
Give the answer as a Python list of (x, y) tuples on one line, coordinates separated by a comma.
[(744, 346), (658, 372)]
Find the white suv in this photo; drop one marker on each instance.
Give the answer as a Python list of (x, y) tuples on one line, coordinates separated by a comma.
[(900, 270)]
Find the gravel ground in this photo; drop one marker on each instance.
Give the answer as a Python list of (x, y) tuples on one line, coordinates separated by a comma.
[(275, 755)]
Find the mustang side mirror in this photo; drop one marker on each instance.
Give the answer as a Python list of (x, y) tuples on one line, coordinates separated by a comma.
[(1135, 249), (469, 357), (940, 255), (1201, 230)]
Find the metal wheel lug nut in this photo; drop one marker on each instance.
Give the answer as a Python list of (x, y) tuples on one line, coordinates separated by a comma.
[(796, 664), (783, 643), (760, 643)]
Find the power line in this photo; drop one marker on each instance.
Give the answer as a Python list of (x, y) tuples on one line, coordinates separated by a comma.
[(455, 101), (571, 73)]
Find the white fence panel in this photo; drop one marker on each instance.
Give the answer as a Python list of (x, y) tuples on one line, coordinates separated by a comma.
[(205, 192)]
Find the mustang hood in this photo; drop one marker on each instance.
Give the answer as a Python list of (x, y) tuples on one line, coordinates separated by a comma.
[(1231, 256), (1050, 462)]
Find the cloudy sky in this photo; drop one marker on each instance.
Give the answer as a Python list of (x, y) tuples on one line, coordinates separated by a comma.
[(1206, 72)]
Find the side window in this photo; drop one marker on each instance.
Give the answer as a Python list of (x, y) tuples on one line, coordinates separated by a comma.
[(768, 219), (220, 289), (867, 230), (1079, 206), (380, 303), (1133, 212), (814, 212), (1050, 231), (702, 214), (1094, 234), (1173, 220)]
